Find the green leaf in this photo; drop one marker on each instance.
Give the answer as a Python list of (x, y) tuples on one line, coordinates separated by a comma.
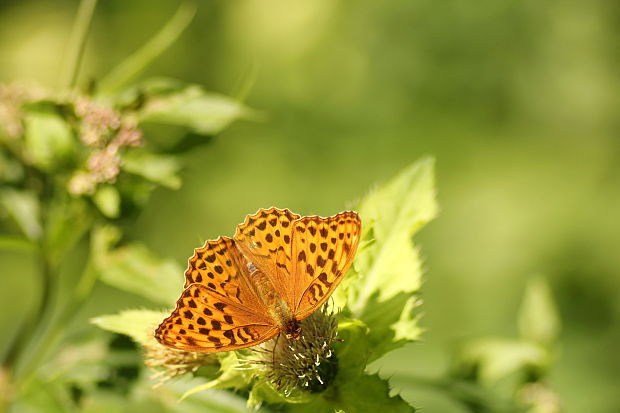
[(493, 358), (107, 199), (135, 269), (203, 112), (370, 393), (137, 324), (161, 169), (23, 207), (539, 321), (367, 393), (387, 270), (230, 376), (48, 140), (42, 395), (353, 351), (220, 401)]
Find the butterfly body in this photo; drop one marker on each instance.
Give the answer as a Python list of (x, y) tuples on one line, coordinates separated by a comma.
[(278, 269), (276, 305)]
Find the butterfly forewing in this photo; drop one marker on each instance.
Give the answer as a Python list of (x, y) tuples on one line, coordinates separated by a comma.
[(265, 239), (202, 322), (323, 250), (220, 266), (218, 310)]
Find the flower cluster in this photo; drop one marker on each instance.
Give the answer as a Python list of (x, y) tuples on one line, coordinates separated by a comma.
[(12, 98), (106, 132), (102, 130)]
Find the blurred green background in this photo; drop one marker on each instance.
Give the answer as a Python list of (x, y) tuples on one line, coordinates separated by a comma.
[(518, 102)]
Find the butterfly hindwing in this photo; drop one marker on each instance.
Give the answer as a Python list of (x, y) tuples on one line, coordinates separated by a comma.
[(203, 322), (323, 250)]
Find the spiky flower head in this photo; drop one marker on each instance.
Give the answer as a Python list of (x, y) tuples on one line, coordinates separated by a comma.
[(307, 364), (168, 363)]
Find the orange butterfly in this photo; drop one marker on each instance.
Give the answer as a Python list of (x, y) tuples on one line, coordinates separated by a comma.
[(277, 270)]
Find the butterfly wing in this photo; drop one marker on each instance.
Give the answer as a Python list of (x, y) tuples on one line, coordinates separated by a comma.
[(323, 250), (219, 309), (265, 239), (203, 321)]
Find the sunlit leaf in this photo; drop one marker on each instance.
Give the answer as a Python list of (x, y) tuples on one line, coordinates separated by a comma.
[(387, 269), (161, 169), (137, 324), (205, 113), (135, 269)]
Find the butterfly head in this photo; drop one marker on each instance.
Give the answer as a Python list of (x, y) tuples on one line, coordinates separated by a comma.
[(293, 330)]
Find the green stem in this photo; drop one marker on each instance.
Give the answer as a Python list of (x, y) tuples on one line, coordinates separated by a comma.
[(139, 60), (55, 331), (77, 44), (39, 317)]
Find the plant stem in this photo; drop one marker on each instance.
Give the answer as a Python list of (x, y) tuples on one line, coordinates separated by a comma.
[(55, 330), (139, 60), (77, 43)]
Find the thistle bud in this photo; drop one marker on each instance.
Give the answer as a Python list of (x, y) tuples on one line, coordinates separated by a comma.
[(168, 363), (306, 364)]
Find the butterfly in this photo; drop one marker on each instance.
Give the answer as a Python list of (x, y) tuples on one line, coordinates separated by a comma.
[(278, 269)]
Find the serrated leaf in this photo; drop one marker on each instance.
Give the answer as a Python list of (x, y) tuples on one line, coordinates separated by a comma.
[(407, 328), (539, 321), (205, 113), (48, 139), (388, 270), (161, 169), (396, 211), (135, 269), (137, 324)]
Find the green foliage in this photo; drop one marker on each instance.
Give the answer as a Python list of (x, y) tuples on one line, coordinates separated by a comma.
[(137, 324), (79, 164), (205, 113), (76, 167), (388, 270), (379, 296), (515, 369)]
